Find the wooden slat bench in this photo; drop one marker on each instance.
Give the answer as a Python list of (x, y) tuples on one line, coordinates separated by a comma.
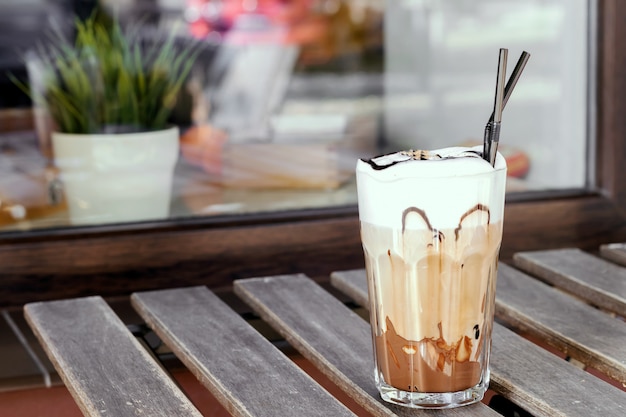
[(615, 252), (246, 373), (567, 323), (110, 373), (526, 374), (330, 335), (600, 282), (107, 371)]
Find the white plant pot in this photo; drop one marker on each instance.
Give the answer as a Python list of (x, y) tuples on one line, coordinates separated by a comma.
[(112, 178)]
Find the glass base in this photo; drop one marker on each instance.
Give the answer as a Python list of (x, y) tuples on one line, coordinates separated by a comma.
[(432, 399)]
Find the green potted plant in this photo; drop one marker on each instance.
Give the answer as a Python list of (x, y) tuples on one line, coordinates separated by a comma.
[(108, 95)]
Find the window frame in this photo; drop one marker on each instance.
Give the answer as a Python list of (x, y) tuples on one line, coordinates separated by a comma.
[(117, 260)]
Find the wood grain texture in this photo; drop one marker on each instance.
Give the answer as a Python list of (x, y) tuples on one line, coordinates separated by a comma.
[(610, 124), (245, 372), (545, 385), (76, 263), (103, 366), (101, 264), (334, 338), (353, 283), (614, 252), (530, 376), (567, 323), (584, 222), (596, 280)]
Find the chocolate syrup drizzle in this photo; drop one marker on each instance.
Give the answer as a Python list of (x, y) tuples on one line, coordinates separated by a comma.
[(439, 234), (377, 167), (477, 207), (413, 156)]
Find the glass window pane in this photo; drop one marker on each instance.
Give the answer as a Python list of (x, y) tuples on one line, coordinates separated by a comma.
[(441, 62), (286, 95)]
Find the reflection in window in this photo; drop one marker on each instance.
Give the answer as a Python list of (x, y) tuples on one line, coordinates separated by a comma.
[(285, 95), (441, 60)]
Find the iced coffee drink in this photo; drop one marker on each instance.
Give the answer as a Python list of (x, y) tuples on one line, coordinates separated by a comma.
[(431, 227)]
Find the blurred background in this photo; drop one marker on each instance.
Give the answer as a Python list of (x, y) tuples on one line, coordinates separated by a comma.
[(286, 95)]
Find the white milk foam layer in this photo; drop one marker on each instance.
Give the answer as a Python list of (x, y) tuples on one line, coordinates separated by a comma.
[(444, 187)]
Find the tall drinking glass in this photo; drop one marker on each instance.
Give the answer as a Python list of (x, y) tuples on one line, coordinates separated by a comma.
[(431, 227)]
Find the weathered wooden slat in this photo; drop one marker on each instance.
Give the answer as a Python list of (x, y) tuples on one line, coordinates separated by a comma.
[(353, 283), (103, 366), (614, 252), (600, 282), (567, 323), (334, 338), (526, 374), (245, 372)]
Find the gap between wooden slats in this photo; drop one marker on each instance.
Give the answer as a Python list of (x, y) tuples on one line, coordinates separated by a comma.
[(246, 373), (101, 363), (572, 326), (334, 338), (526, 374), (593, 279)]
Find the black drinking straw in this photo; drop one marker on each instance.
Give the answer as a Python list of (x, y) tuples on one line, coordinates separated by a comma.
[(515, 75), (492, 129)]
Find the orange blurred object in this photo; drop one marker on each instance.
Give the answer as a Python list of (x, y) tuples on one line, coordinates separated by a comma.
[(203, 145), (517, 161)]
